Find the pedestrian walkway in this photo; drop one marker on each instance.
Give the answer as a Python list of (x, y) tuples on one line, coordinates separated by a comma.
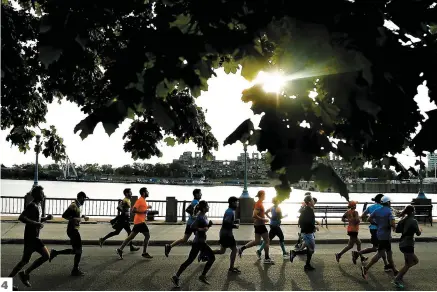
[(55, 233)]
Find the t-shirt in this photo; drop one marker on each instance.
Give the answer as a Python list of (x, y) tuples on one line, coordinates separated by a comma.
[(307, 220), (141, 206), (73, 211), (383, 218), (228, 223), (276, 216), (353, 220), (260, 208), (125, 207), (370, 210), (200, 222), (192, 217), (411, 227), (33, 212)]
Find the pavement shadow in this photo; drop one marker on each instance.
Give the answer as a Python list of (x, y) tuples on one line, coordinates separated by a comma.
[(316, 278), (148, 282), (358, 280), (266, 282), (231, 277), (196, 273)]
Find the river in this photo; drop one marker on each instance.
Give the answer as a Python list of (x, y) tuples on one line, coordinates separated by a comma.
[(101, 190)]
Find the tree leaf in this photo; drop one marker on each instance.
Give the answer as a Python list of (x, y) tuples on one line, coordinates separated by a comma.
[(241, 133), (170, 141), (49, 54), (326, 177)]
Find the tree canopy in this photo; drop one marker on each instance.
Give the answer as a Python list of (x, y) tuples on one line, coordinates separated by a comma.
[(149, 60)]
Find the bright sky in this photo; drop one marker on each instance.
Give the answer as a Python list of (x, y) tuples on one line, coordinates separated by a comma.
[(225, 111)]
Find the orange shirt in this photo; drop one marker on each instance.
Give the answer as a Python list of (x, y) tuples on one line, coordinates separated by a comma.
[(141, 206), (354, 221), (259, 206)]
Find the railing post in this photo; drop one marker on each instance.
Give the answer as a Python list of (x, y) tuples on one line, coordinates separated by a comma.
[(171, 210), (184, 216)]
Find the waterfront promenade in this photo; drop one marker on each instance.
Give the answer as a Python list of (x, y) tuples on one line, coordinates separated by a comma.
[(55, 233), (105, 272)]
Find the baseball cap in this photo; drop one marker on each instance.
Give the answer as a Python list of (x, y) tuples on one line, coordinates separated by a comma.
[(377, 198), (352, 204), (307, 199), (261, 192), (385, 199), (83, 195)]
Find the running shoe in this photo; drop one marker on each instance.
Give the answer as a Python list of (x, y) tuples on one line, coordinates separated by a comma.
[(53, 254), (134, 248), (364, 272), (119, 253), (77, 273), (269, 261), (203, 279), (363, 259), (167, 249), (355, 256), (240, 252), (398, 284), (387, 268), (308, 268), (292, 255), (234, 270), (337, 257), (101, 241), (147, 256), (24, 279), (175, 280), (258, 254), (285, 256)]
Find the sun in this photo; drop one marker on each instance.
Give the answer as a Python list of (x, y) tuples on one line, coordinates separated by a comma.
[(271, 82)]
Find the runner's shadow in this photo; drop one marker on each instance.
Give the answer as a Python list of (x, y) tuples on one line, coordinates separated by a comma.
[(266, 282), (197, 272), (232, 277), (147, 281), (357, 279), (316, 277)]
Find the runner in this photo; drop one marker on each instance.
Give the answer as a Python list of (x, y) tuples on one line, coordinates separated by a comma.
[(201, 226), (72, 214), (275, 228), (300, 246), (122, 221), (140, 210), (31, 216), (197, 194), (408, 226), (373, 236), (307, 223), (260, 229), (353, 219), (227, 239), (385, 221)]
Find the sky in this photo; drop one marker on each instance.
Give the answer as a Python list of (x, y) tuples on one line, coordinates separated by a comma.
[(224, 112)]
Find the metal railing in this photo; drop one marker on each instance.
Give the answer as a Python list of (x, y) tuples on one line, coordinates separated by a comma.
[(57, 206), (108, 207)]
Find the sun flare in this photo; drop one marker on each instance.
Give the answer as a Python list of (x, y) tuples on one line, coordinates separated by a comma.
[(271, 82)]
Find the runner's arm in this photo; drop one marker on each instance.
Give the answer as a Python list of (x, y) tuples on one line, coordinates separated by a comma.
[(256, 214), (267, 213), (418, 230), (24, 215), (46, 218), (344, 218)]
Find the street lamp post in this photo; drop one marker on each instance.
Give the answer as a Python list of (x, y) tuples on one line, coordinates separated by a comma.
[(37, 150), (245, 193)]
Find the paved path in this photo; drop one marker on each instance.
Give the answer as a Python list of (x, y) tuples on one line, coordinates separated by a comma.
[(106, 272), (55, 233)]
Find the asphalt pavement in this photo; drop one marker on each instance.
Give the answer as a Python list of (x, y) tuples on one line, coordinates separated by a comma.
[(104, 271)]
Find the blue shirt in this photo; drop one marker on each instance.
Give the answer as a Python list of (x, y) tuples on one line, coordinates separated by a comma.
[(276, 217), (200, 222), (383, 217), (191, 218), (228, 223), (370, 210)]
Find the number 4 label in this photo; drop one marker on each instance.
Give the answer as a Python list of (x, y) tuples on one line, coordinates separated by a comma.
[(5, 284)]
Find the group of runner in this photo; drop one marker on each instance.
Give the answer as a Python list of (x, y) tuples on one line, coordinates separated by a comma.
[(380, 216)]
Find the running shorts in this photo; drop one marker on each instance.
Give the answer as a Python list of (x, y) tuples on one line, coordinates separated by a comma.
[(260, 229), (188, 230), (374, 237), (384, 245), (140, 228), (276, 231), (75, 239), (227, 241), (407, 249), (33, 244), (309, 240), (352, 234)]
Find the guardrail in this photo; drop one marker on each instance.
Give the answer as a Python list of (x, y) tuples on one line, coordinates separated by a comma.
[(108, 207)]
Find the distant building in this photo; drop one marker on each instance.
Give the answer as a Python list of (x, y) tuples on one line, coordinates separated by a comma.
[(432, 161)]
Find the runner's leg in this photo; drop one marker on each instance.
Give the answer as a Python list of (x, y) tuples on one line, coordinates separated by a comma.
[(45, 255)]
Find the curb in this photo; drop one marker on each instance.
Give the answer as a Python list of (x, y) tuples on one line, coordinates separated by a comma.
[(210, 242)]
